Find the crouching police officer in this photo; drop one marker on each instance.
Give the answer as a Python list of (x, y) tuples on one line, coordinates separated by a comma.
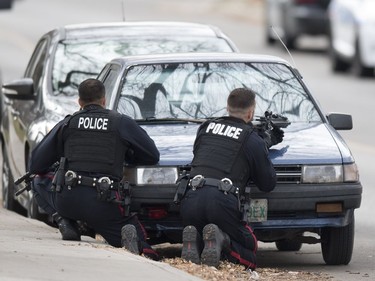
[(92, 145), (228, 153)]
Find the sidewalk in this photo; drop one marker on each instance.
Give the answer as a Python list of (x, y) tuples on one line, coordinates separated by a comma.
[(31, 250)]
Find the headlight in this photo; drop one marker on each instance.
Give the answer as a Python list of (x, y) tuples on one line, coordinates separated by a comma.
[(322, 174), (330, 173), (157, 175)]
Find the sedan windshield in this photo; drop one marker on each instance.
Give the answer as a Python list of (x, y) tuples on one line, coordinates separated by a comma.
[(200, 90), (76, 61)]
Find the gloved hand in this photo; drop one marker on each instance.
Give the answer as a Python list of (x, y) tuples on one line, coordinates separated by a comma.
[(272, 137), (277, 135)]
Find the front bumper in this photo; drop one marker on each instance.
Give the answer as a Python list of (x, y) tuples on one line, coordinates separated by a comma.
[(292, 208)]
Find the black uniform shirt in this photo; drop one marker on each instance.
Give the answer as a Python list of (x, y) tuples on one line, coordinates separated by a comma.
[(47, 152)]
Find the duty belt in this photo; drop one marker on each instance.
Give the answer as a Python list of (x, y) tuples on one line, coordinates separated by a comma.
[(225, 185), (73, 179)]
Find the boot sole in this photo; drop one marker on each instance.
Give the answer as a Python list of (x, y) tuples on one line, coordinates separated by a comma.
[(130, 239), (189, 245), (212, 251)]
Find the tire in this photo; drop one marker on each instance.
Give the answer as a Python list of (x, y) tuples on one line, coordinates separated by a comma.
[(337, 244), (8, 185), (358, 68), (288, 38), (288, 245), (337, 64), (290, 42), (269, 39)]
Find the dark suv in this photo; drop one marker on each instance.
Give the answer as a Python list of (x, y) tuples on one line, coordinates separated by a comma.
[(62, 59)]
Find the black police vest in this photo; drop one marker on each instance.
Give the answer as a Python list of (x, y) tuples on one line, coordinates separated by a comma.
[(218, 151), (92, 143)]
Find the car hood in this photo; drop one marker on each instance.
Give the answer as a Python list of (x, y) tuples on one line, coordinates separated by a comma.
[(303, 143)]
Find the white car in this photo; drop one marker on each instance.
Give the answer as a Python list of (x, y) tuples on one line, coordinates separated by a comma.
[(352, 36)]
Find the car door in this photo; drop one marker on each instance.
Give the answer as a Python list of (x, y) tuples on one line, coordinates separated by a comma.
[(23, 112)]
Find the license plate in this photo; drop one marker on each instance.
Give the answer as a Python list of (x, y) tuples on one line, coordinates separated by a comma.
[(257, 211)]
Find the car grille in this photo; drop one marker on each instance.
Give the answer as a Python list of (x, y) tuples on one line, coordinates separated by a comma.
[(288, 174), (285, 174)]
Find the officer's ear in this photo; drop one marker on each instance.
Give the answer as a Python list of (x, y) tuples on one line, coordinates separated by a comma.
[(81, 103), (250, 113), (103, 101)]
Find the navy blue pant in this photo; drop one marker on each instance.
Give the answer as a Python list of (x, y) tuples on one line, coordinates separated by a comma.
[(209, 205), (81, 204), (43, 193), (107, 219)]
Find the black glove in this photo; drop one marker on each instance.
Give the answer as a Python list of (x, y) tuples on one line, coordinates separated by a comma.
[(272, 137), (277, 135)]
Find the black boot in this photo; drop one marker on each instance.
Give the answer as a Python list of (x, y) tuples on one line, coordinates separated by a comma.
[(215, 241), (84, 229), (67, 229), (191, 244)]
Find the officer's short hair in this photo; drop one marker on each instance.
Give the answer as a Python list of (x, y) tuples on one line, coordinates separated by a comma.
[(241, 99), (91, 90)]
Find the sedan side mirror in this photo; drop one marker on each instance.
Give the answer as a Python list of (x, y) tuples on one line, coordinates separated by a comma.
[(22, 89), (340, 121)]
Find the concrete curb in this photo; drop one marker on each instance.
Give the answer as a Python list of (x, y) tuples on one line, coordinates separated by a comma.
[(32, 250)]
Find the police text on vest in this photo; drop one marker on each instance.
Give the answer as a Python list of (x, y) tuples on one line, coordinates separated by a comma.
[(224, 130), (93, 123)]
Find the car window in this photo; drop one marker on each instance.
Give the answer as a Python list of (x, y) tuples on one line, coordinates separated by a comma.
[(200, 90), (76, 60), (109, 76), (35, 67)]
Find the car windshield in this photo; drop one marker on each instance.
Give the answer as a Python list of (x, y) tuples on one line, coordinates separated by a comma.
[(200, 90), (76, 61)]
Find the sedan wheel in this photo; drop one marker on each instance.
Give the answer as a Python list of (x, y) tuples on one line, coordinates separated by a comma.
[(8, 185), (358, 68), (337, 64), (337, 244)]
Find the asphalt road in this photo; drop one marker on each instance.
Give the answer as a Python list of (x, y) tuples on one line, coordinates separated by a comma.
[(21, 27)]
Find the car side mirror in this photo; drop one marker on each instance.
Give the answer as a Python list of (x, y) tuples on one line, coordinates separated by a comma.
[(21, 89), (340, 121)]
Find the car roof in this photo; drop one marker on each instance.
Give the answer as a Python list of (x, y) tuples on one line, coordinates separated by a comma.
[(196, 57), (144, 28)]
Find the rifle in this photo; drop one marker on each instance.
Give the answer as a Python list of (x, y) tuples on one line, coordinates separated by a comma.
[(271, 120), (28, 178)]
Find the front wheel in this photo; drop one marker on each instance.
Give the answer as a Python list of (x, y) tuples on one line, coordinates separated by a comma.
[(337, 244), (8, 185), (359, 69)]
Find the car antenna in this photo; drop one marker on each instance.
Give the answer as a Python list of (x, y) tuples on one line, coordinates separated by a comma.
[(286, 48), (123, 10)]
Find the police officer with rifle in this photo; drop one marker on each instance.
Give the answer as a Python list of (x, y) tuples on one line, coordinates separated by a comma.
[(229, 152), (91, 146)]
